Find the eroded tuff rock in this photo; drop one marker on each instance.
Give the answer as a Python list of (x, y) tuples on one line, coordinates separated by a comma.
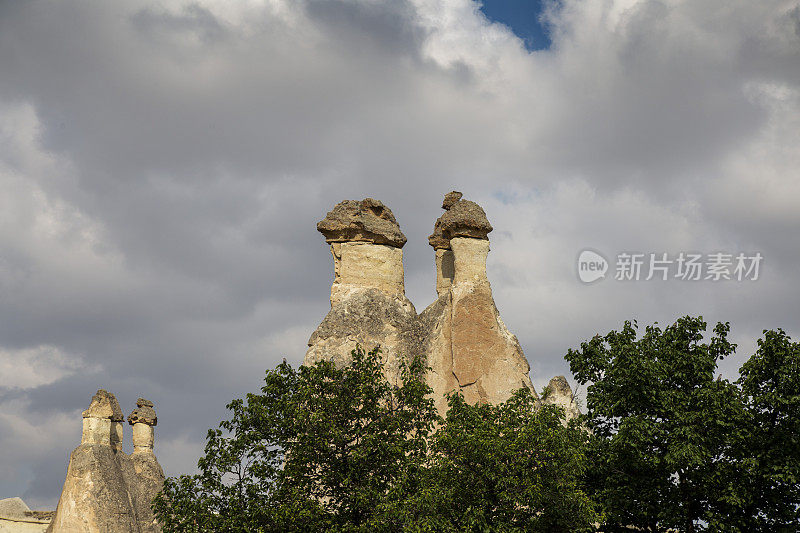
[(16, 517), (467, 345), (106, 489), (368, 303), (451, 198), (104, 405), (141, 470), (367, 220), (560, 393), (367, 317)]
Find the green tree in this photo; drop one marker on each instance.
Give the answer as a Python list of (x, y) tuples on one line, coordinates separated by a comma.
[(318, 450), (768, 452), (504, 468), (661, 423), (672, 448)]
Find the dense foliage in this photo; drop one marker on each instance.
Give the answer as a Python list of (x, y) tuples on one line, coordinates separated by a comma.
[(340, 449), (511, 467), (768, 450), (675, 449), (664, 446)]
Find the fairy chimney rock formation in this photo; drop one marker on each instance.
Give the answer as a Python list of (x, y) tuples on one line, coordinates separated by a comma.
[(368, 302), (461, 334), (105, 489), (143, 419), (468, 346), (142, 472)]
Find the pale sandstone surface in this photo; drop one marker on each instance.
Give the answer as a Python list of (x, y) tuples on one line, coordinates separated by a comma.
[(24, 525), (560, 393), (95, 495), (466, 336), (13, 507), (436, 322), (144, 479), (104, 405), (365, 265), (16, 517), (367, 317), (469, 262)]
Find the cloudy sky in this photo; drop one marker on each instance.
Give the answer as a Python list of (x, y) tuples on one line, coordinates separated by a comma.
[(163, 165)]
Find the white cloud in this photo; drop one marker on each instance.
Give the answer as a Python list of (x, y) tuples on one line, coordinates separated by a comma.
[(33, 367)]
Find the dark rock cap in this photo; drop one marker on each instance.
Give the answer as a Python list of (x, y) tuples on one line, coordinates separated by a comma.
[(450, 199), (104, 405), (462, 218), (437, 238), (144, 413), (365, 221)]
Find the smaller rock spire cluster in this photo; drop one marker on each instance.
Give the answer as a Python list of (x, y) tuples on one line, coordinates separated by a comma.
[(105, 488)]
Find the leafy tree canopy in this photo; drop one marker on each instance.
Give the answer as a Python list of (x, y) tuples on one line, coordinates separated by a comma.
[(340, 449), (511, 467), (676, 449)]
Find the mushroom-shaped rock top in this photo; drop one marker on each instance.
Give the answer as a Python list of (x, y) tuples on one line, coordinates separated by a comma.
[(367, 220), (144, 413), (462, 218), (104, 405)]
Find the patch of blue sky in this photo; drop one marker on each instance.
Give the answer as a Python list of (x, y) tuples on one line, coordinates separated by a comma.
[(523, 17), (515, 195)]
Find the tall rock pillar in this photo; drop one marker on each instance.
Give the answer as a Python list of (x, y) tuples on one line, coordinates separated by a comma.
[(469, 347), (368, 302), (143, 474)]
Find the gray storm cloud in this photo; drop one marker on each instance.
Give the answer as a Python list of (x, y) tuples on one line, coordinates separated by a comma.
[(163, 166)]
